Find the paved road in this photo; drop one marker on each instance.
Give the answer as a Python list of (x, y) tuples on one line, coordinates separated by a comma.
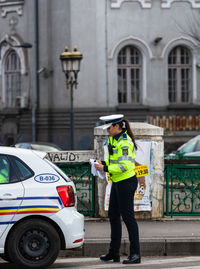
[(147, 263)]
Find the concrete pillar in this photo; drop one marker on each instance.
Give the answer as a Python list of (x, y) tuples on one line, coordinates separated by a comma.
[(146, 132)]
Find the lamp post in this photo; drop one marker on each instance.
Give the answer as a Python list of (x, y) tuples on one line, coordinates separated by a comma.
[(71, 62)]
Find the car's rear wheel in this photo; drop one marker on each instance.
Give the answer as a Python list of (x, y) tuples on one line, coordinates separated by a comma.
[(34, 243)]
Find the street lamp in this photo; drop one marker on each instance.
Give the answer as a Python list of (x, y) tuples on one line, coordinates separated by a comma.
[(71, 62)]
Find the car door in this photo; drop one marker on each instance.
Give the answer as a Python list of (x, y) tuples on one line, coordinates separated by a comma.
[(11, 192)]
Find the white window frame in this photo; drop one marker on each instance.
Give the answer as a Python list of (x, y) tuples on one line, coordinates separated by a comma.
[(14, 77), (147, 57), (192, 46), (177, 81), (128, 67), (4, 51)]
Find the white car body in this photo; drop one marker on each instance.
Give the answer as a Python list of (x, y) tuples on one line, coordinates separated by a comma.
[(37, 198)]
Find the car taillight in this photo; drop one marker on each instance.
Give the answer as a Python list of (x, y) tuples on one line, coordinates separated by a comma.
[(67, 196), (78, 240)]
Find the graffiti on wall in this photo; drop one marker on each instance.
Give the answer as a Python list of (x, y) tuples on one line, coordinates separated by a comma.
[(71, 156)]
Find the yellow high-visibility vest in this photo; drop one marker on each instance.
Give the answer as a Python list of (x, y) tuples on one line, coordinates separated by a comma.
[(121, 159)]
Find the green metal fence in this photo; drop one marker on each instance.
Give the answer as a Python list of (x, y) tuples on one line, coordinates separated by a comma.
[(182, 179), (80, 174)]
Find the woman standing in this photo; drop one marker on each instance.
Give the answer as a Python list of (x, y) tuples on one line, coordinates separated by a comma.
[(120, 165)]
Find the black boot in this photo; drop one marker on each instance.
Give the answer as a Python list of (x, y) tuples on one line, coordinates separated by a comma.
[(135, 258), (109, 257)]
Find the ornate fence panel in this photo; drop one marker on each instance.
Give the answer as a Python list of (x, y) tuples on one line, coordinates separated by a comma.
[(182, 187), (75, 165), (80, 174)]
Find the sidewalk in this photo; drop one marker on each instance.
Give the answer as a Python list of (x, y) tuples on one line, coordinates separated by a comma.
[(168, 236)]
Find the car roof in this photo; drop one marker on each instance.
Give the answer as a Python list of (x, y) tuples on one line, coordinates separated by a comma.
[(21, 151)]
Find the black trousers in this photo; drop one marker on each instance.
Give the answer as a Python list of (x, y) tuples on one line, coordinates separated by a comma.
[(122, 204)]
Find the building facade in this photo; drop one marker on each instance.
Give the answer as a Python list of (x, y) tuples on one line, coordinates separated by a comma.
[(140, 58)]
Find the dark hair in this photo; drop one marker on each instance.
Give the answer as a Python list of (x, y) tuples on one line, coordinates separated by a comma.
[(128, 129)]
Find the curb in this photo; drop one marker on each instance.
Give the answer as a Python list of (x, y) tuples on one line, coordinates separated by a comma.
[(149, 247), (165, 219)]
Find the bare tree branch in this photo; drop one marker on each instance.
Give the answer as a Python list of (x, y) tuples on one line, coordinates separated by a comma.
[(193, 27)]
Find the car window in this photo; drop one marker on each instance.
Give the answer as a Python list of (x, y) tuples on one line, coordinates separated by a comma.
[(23, 145), (22, 169), (44, 147), (188, 147), (197, 146), (4, 169)]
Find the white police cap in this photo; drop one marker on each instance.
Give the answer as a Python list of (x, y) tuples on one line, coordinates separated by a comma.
[(111, 119)]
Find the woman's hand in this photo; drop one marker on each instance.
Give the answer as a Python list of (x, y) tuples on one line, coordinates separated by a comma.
[(94, 161), (99, 166)]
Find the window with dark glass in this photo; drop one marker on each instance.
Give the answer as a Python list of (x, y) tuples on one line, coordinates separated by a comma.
[(12, 79), (12, 169), (129, 75), (21, 168), (179, 75)]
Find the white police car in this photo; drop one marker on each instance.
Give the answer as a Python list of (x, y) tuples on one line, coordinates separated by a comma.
[(38, 215)]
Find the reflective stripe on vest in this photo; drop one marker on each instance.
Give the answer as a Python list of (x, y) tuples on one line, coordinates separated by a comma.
[(123, 158), (122, 168)]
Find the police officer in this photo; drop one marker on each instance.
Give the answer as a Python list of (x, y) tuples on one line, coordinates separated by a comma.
[(3, 176), (120, 165)]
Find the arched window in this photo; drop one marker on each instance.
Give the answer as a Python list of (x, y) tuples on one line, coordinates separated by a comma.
[(129, 75), (12, 79), (179, 75)]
